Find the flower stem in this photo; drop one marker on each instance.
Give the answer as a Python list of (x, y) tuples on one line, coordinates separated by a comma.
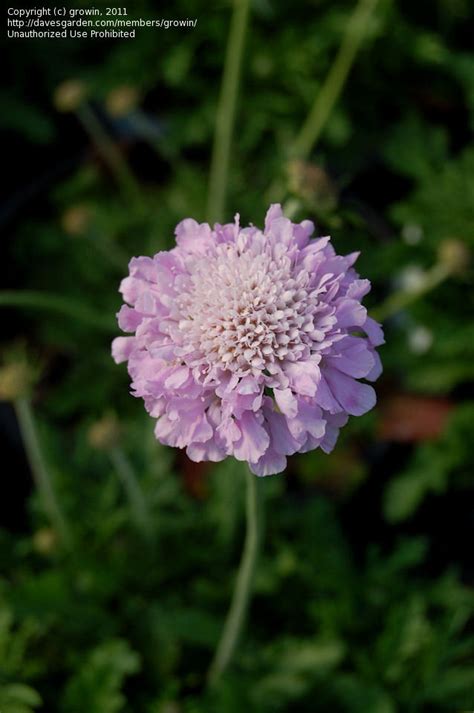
[(399, 300), (328, 95), (335, 80), (243, 586), (226, 112), (111, 155), (136, 498), (39, 469)]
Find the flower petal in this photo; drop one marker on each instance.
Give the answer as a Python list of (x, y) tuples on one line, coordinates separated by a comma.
[(273, 213), (354, 397), (270, 463), (254, 439), (304, 377), (354, 358), (374, 332), (192, 236), (350, 313), (282, 441), (129, 319), (122, 348), (286, 402), (198, 452)]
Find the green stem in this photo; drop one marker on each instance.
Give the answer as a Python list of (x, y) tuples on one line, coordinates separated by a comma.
[(39, 469), (335, 80), (226, 112), (56, 303), (399, 300), (243, 586), (136, 498), (111, 155)]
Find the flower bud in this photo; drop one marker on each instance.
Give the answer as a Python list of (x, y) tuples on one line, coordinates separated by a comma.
[(76, 219), (45, 540), (122, 100), (105, 433), (15, 380), (69, 95), (454, 254), (170, 707), (312, 184)]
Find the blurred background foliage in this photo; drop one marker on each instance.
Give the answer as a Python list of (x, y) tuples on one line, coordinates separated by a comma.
[(113, 590)]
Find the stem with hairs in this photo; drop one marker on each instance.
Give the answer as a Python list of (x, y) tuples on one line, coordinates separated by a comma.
[(335, 80), (39, 469), (225, 116), (330, 91), (244, 583)]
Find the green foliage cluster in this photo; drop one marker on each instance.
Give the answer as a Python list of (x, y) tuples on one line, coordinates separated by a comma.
[(364, 592)]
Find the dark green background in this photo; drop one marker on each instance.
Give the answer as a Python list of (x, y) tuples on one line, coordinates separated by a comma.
[(364, 590)]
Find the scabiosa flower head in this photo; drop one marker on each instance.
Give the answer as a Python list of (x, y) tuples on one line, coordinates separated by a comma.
[(249, 343)]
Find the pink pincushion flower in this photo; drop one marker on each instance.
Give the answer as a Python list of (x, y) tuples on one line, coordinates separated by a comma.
[(249, 343)]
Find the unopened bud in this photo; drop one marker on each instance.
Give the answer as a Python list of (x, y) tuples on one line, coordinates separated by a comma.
[(312, 184), (454, 254), (76, 219), (105, 433), (15, 380), (69, 95), (45, 540), (122, 100)]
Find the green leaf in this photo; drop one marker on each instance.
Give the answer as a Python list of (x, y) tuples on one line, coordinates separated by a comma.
[(18, 698), (96, 686)]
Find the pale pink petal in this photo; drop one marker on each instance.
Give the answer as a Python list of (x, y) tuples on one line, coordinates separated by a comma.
[(351, 313), (122, 348), (199, 452), (374, 332), (354, 397), (273, 213), (177, 378), (129, 319), (358, 289), (304, 377), (254, 439), (354, 358), (324, 397), (270, 463), (192, 236), (283, 441), (286, 402), (377, 368)]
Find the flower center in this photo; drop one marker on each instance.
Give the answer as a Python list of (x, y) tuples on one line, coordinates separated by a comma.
[(244, 311)]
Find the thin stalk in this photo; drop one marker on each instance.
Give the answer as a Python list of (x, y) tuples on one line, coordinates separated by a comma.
[(399, 300), (244, 583), (225, 116), (133, 490), (335, 80), (39, 469), (111, 155), (57, 303)]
